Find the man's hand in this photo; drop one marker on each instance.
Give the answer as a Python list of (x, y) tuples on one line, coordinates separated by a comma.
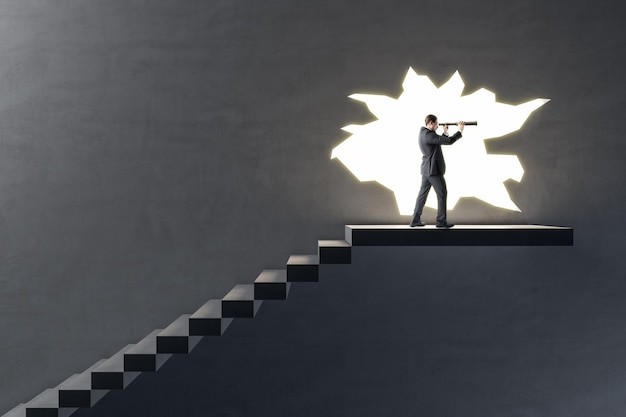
[(461, 126), (445, 129)]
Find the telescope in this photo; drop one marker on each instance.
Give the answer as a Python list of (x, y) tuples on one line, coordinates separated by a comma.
[(466, 124)]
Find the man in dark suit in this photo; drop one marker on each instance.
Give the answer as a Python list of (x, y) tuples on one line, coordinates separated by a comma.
[(433, 168)]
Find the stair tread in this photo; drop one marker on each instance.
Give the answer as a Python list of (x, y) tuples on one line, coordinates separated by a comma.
[(212, 309), (303, 260), (81, 381), (115, 363), (47, 399), (333, 243), (460, 235), (146, 346), (17, 411), (272, 276), (180, 327), (241, 292)]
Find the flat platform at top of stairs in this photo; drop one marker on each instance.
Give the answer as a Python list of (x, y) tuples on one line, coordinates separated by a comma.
[(459, 235)]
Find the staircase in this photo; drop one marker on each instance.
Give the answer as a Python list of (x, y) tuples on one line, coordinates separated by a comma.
[(244, 301)]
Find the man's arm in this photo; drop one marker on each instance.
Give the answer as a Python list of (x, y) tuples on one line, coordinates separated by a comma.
[(433, 138)]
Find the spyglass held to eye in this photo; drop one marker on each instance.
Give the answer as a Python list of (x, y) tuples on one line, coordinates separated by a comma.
[(466, 124)]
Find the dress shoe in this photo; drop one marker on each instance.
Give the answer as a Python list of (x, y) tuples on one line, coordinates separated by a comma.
[(418, 224), (445, 225)]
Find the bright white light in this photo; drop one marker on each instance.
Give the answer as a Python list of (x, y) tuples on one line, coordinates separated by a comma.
[(387, 150)]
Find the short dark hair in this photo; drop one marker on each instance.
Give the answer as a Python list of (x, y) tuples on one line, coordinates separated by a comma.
[(430, 118)]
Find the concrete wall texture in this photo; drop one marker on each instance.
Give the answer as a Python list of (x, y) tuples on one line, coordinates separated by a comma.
[(155, 153)]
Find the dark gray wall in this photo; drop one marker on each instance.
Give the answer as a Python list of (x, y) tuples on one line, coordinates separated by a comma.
[(155, 153)]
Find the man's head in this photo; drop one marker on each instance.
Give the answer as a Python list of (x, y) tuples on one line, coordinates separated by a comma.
[(431, 122)]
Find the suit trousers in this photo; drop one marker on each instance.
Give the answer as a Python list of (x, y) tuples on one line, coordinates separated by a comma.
[(439, 184)]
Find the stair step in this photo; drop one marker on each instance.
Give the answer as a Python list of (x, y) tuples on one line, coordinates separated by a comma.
[(240, 302), (303, 268), (46, 404), (110, 375), (272, 284), (18, 411), (208, 320), (175, 338), (334, 252), (143, 356), (77, 391), (460, 235)]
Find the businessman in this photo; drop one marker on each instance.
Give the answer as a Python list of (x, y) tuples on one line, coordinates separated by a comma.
[(433, 169)]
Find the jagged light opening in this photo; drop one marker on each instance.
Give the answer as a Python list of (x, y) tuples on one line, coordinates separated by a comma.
[(387, 151)]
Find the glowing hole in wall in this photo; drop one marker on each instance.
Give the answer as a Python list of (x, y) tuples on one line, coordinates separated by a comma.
[(387, 151)]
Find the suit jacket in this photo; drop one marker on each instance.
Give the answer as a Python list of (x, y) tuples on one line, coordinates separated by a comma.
[(432, 156)]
